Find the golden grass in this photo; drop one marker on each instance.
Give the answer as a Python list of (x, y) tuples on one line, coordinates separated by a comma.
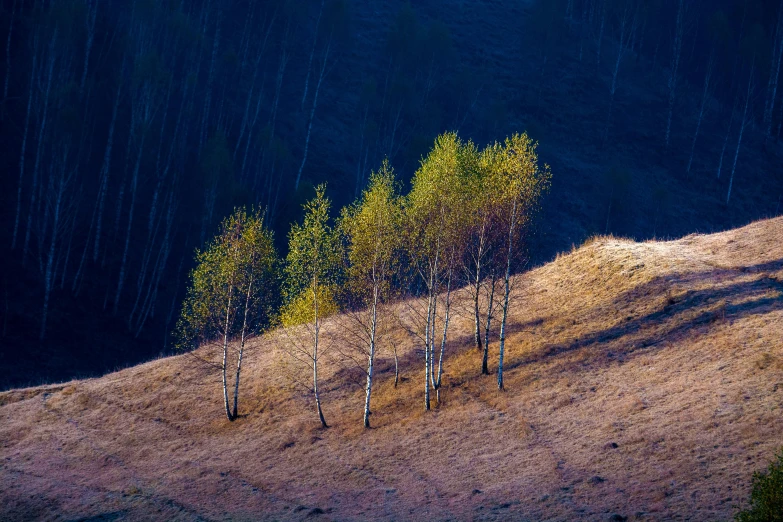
[(643, 379)]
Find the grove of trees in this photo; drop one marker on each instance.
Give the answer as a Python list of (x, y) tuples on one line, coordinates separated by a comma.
[(463, 222)]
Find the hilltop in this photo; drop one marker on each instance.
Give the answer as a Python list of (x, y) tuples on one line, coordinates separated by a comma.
[(643, 380)]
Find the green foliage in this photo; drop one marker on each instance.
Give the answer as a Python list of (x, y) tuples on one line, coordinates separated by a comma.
[(302, 308), (766, 496), (236, 273), (372, 228), (440, 193), (516, 179), (314, 250)]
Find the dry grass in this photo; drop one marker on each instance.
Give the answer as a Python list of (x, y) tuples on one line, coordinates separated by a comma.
[(643, 379)]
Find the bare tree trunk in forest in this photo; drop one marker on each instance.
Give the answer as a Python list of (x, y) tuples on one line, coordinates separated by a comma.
[(312, 114), (160, 265), (105, 170), (57, 193), (23, 153), (774, 73), (210, 81), (676, 52), (743, 124), (312, 53), (726, 138), (39, 147), (359, 165), (601, 32), (8, 55), (704, 97), (133, 190), (92, 13), (625, 39)]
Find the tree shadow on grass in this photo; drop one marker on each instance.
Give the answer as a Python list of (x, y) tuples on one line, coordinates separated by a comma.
[(678, 315)]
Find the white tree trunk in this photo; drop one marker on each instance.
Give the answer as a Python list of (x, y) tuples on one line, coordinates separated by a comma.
[(371, 357), (312, 114), (427, 328), (23, 153), (438, 380), (312, 53), (774, 73), (210, 81), (133, 187), (676, 52), (704, 96), (601, 32), (506, 292), (59, 191), (8, 53), (105, 170), (39, 147), (317, 331), (490, 303), (92, 13), (743, 123), (242, 339), (225, 355)]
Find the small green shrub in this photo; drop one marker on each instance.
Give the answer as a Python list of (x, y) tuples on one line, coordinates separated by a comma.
[(766, 495)]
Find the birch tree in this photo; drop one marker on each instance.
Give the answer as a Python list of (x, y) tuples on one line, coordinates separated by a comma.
[(311, 275), (371, 227), (231, 296), (514, 168), (481, 253), (435, 224)]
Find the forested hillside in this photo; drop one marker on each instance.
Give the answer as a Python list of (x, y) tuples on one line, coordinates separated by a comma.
[(130, 129)]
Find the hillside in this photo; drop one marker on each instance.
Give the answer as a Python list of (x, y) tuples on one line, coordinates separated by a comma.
[(644, 380)]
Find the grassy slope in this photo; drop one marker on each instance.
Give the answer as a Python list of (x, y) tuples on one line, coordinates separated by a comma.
[(669, 350)]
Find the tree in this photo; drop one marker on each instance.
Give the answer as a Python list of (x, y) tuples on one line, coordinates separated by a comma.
[(232, 294), (480, 249), (514, 169), (436, 225), (311, 275), (766, 496), (371, 227)]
